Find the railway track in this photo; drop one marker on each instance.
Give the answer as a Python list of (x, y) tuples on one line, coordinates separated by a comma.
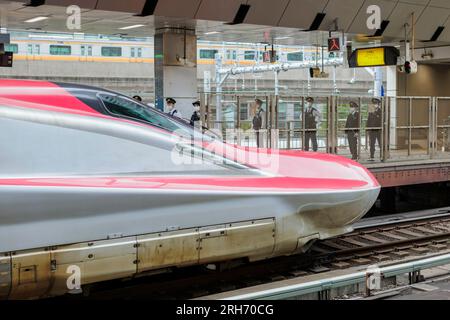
[(366, 245)]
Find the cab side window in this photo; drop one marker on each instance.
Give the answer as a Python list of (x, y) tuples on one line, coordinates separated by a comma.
[(123, 107)]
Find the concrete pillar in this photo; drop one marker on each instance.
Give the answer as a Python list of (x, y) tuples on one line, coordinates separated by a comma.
[(378, 81), (176, 69), (391, 91), (391, 79)]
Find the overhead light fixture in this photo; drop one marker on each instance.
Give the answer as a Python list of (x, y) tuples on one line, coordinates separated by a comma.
[(148, 9), (35, 3), (211, 32), (132, 27), (240, 14), (317, 21), (282, 38), (36, 19)]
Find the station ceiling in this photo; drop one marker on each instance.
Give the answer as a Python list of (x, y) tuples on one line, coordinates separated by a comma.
[(281, 21)]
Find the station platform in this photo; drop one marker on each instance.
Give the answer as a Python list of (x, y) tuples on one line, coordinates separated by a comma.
[(432, 291), (400, 173)]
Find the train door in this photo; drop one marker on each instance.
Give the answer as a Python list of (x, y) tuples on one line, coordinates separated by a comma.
[(86, 52)]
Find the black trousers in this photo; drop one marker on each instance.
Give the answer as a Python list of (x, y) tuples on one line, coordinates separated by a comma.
[(374, 136), (258, 138), (353, 143), (311, 135)]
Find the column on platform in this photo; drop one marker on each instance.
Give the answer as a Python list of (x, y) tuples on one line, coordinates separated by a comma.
[(176, 69), (391, 93)]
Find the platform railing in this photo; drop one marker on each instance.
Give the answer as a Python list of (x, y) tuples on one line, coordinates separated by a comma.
[(407, 127)]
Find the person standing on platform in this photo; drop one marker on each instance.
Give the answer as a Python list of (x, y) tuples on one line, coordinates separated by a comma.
[(196, 114), (312, 119), (258, 120), (173, 112), (374, 122), (352, 129)]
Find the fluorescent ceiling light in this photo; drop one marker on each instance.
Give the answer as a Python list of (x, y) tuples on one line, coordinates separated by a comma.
[(211, 32), (282, 38), (132, 27), (36, 19)]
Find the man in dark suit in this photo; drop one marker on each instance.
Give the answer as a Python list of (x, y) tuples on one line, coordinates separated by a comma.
[(374, 122), (352, 129), (258, 120), (312, 120), (196, 114)]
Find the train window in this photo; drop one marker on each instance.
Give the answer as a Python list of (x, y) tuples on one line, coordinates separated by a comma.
[(30, 49), (111, 51), (122, 106), (295, 56), (12, 47), (208, 53), (37, 49), (59, 50), (132, 52), (249, 55), (139, 52)]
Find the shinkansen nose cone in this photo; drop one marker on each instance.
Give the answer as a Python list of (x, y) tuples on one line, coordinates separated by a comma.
[(80, 185)]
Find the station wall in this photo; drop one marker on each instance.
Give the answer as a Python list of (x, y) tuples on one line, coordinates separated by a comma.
[(430, 80)]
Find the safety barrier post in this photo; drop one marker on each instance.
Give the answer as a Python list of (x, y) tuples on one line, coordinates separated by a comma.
[(385, 112), (434, 127), (332, 124), (410, 127)]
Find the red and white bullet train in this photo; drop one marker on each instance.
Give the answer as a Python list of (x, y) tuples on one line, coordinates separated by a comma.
[(97, 186)]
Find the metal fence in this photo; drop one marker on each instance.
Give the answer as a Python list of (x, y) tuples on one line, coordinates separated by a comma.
[(386, 129)]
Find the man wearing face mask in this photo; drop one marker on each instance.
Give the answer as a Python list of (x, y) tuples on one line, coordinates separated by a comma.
[(352, 129), (312, 120), (374, 125), (258, 121), (172, 110), (196, 114)]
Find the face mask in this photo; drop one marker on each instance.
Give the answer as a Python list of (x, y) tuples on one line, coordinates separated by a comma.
[(196, 108), (170, 106)]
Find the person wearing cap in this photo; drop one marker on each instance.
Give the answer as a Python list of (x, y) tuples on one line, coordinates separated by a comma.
[(312, 120), (352, 129), (173, 112), (196, 114), (374, 122), (137, 98), (258, 120)]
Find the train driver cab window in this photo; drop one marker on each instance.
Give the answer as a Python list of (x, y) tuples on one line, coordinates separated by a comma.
[(127, 108)]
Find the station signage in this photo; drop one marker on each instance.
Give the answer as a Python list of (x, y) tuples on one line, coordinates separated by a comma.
[(374, 57), (270, 56), (6, 59), (334, 44), (370, 57)]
